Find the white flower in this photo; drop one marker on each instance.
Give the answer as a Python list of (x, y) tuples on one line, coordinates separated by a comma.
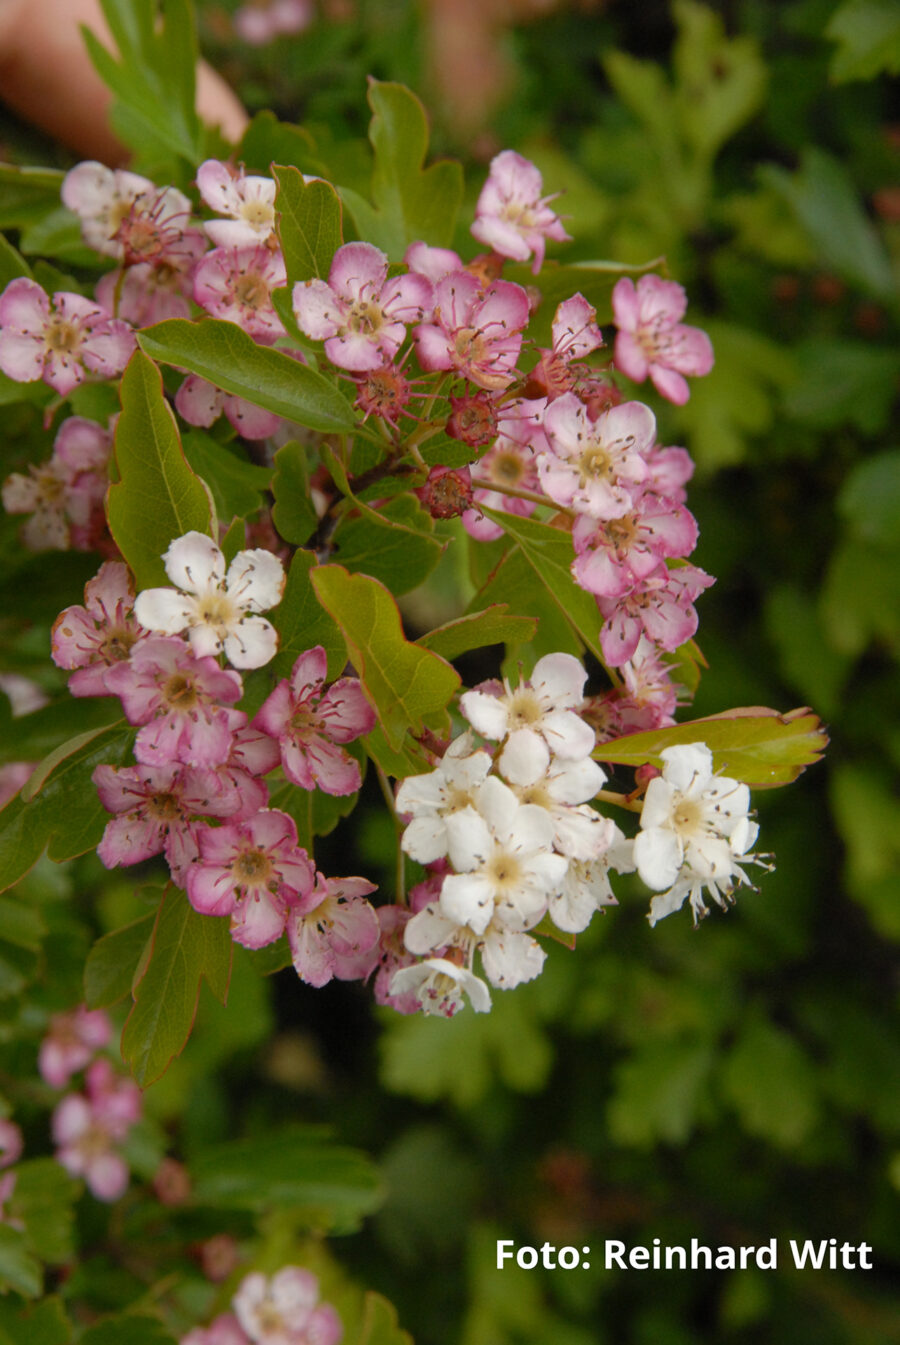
[(432, 798), (694, 828), (587, 889), (247, 199), (579, 832), (216, 609), (440, 986), (537, 719), (502, 854), (509, 958)]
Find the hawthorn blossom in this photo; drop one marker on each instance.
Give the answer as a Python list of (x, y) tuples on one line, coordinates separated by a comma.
[(261, 21), (179, 700), (252, 754), (91, 639), (586, 886), (695, 827), (88, 1127), (159, 810), (431, 799), (574, 334), (613, 556), (360, 315), (12, 1145), (536, 720), (652, 338), (64, 495), (502, 856), (311, 725), (475, 331), (60, 341), (511, 216), (218, 610), (668, 469), (431, 262), (101, 197), (236, 284), (251, 871), (149, 292), (285, 1309), (71, 1043), (593, 465), (510, 463), (659, 607), (334, 931), (247, 200), (201, 403), (564, 791), (509, 957), (223, 1330), (440, 986)]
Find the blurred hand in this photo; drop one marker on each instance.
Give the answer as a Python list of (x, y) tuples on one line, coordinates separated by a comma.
[(47, 78)]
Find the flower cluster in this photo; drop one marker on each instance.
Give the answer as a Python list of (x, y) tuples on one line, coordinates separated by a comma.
[(284, 1309)]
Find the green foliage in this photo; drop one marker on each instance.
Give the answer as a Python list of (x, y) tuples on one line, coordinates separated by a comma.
[(294, 514), (410, 202), (235, 484), (868, 36), (135, 1327), (380, 1326), (44, 1323), (661, 1093), (113, 961), (771, 1083), (309, 224), (394, 544), (184, 948), (157, 497), (407, 685), (225, 355), (299, 1170), (302, 621), (490, 626)]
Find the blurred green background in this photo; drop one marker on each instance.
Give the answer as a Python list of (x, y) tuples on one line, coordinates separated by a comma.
[(740, 1082)]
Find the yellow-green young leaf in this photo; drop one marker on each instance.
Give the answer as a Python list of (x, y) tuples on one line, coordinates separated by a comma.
[(309, 224), (157, 497), (379, 1323), (758, 746), (225, 355), (411, 202), (492, 626), (185, 947), (406, 684)]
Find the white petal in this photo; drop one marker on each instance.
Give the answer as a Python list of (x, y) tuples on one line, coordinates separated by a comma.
[(428, 930), (195, 563), (659, 802), (511, 959), (575, 781), (255, 580), (524, 758), (568, 735), (468, 899), (670, 901), (485, 713), (498, 805), (252, 643), (469, 841), (425, 839), (164, 610), (658, 856), (687, 763), (559, 680)]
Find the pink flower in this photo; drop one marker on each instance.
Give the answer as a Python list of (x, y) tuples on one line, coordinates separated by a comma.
[(201, 403), (477, 332), (101, 197), (86, 1129), (94, 638), (60, 343), (285, 1310), (264, 20), (224, 1330), (11, 1143), (360, 314), (179, 699), (159, 810), (251, 871), (509, 463), (65, 495), (511, 216), (592, 465), (253, 754), (311, 724), (248, 201), (236, 284), (612, 557), (150, 292), (660, 607), (334, 932), (71, 1043), (652, 339), (432, 263), (668, 471)]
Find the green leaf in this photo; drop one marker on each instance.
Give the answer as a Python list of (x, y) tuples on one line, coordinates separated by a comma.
[(302, 621), (843, 383), (268, 141), (58, 234), (411, 203), (225, 355), (406, 684), (512, 581), (186, 947), (43, 1324), (558, 281), (720, 81), (157, 497), (295, 1169), (294, 514), (394, 544), (549, 553), (315, 812), (236, 485), (868, 36), (112, 963), (31, 737), (136, 1328), (21, 925), (43, 1200), (27, 194), (758, 746), (870, 499), (62, 813), (868, 818), (660, 1093), (379, 1323), (825, 200), (490, 626), (12, 264), (808, 662), (309, 224), (19, 1270), (771, 1083), (407, 760), (860, 600)]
